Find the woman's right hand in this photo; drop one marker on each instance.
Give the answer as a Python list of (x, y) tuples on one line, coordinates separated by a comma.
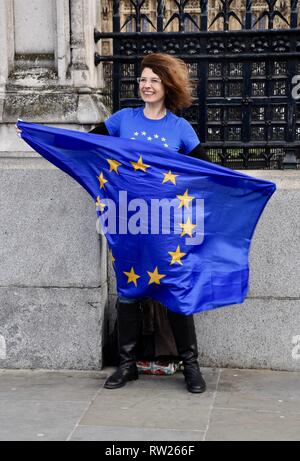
[(18, 130)]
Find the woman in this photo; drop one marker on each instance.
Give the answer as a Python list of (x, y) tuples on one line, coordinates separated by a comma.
[(164, 87)]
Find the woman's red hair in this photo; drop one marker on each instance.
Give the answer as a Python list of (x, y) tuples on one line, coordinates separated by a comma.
[(175, 76)]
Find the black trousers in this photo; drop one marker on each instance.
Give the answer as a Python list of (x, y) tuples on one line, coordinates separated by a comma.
[(182, 327)]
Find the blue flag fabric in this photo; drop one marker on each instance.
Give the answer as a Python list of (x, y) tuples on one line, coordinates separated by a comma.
[(192, 259)]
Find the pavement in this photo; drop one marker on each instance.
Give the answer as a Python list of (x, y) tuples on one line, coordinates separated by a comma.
[(250, 405)]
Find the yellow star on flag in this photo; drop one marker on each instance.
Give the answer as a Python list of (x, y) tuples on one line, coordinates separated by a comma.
[(140, 165), (100, 204), (114, 165), (112, 257), (185, 199), (170, 177), (102, 181), (132, 277), (155, 277), (176, 256), (188, 228)]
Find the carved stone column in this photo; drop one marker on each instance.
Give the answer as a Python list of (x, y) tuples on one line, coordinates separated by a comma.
[(6, 47), (47, 71)]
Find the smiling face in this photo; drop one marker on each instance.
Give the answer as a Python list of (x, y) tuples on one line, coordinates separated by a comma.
[(152, 90)]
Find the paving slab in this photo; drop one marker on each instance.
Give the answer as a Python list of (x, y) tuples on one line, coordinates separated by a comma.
[(251, 425), (154, 402), (72, 405), (138, 434), (48, 386), (259, 390), (29, 420)]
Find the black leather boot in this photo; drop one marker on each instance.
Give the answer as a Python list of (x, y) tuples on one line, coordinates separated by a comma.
[(129, 317), (183, 328)]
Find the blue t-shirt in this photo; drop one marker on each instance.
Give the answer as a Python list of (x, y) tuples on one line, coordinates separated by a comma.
[(172, 132)]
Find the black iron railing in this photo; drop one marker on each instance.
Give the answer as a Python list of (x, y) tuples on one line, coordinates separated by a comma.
[(247, 111)]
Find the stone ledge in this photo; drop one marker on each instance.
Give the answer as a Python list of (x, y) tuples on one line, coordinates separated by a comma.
[(55, 105), (52, 328)]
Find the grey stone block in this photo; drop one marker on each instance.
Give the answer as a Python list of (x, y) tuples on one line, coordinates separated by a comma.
[(260, 333), (47, 228), (52, 328), (48, 106), (275, 249)]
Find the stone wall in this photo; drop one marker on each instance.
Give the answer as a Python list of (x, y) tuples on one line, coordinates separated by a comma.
[(53, 272)]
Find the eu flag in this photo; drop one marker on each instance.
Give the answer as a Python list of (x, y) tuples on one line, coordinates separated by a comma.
[(179, 228)]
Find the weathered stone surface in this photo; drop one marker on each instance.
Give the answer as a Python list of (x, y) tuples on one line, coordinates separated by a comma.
[(47, 228), (54, 107), (52, 327), (260, 333)]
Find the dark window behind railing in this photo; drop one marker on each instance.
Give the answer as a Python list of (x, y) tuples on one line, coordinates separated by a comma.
[(243, 63)]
